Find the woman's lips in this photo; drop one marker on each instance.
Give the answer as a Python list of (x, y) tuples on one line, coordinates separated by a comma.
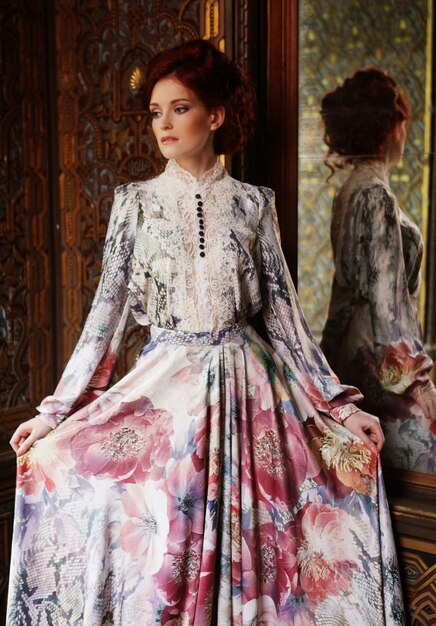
[(169, 139)]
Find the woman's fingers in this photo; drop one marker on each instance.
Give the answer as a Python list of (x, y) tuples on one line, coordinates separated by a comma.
[(377, 436), (27, 443), (365, 439), (427, 402), (19, 436), (367, 428), (26, 435)]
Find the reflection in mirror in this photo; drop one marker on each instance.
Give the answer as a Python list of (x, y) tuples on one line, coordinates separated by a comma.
[(372, 337)]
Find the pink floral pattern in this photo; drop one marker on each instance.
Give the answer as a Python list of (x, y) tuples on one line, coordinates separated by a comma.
[(44, 466), (242, 518), (131, 445), (327, 555)]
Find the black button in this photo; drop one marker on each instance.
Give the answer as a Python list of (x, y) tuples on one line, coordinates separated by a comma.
[(201, 239), (199, 214), (197, 195), (201, 222), (201, 246), (201, 233), (202, 253), (200, 203)]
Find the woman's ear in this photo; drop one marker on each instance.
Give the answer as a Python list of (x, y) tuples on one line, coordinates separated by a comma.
[(217, 117)]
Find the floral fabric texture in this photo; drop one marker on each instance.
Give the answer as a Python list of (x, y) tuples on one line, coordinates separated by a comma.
[(214, 483), (372, 336)]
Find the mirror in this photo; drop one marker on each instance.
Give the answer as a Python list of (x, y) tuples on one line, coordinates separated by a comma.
[(335, 40)]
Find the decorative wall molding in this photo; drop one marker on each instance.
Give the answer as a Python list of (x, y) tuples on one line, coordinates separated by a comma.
[(25, 305)]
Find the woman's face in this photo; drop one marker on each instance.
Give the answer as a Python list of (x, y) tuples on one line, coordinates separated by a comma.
[(183, 126)]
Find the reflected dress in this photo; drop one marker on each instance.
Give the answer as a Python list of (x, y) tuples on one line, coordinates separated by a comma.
[(214, 483), (372, 336)]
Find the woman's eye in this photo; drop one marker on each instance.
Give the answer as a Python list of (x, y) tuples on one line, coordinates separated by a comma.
[(154, 114), (181, 109)]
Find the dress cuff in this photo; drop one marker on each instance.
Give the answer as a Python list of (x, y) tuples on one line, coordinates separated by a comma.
[(340, 413), (50, 419), (421, 388)]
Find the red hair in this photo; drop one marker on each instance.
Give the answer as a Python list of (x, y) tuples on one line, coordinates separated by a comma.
[(216, 81), (359, 116)]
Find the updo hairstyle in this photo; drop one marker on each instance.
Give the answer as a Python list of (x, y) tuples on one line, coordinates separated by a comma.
[(359, 116), (216, 81)]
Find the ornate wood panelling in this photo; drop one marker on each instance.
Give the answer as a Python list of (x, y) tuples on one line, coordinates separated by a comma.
[(13, 307), (24, 291), (420, 590)]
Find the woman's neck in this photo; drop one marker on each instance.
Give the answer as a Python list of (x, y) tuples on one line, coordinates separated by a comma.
[(380, 166)]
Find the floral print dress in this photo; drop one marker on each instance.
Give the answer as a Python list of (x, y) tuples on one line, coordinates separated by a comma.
[(372, 336), (214, 483)]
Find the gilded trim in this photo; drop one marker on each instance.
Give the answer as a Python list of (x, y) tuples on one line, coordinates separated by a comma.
[(426, 173)]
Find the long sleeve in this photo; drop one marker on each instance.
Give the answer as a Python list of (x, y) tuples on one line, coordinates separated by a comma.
[(305, 365), (94, 355), (401, 361)]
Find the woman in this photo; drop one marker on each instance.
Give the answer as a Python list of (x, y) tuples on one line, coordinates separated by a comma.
[(214, 483), (372, 334)]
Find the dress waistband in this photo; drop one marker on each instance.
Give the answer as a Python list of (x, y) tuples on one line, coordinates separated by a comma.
[(204, 338)]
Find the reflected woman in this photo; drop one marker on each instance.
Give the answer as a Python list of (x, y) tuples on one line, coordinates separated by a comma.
[(372, 336)]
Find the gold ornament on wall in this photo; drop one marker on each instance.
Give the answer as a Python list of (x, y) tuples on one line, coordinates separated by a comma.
[(136, 80)]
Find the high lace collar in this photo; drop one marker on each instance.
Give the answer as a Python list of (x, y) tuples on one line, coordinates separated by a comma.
[(175, 172), (378, 168)]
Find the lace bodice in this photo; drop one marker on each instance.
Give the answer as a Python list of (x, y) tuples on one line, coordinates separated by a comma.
[(198, 256)]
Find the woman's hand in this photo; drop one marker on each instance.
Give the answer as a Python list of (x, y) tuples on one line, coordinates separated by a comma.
[(427, 402), (27, 433), (367, 428)]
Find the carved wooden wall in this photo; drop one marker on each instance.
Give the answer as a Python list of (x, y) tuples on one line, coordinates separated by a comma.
[(25, 305)]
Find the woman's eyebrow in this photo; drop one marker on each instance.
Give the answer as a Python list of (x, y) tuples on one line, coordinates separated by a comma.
[(155, 104)]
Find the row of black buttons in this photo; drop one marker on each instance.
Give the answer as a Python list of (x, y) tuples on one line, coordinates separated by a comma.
[(200, 224)]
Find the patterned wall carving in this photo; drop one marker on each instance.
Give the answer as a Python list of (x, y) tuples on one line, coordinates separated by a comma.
[(420, 590), (13, 337), (336, 39), (25, 353), (103, 50)]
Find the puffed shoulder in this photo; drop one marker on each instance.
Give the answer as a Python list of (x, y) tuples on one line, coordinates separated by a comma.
[(375, 195), (127, 188), (262, 193)]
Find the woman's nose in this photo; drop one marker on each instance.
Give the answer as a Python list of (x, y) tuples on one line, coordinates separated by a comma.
[(165, 122)]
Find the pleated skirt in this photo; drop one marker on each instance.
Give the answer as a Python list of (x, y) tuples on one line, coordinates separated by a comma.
[(195, 491)]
